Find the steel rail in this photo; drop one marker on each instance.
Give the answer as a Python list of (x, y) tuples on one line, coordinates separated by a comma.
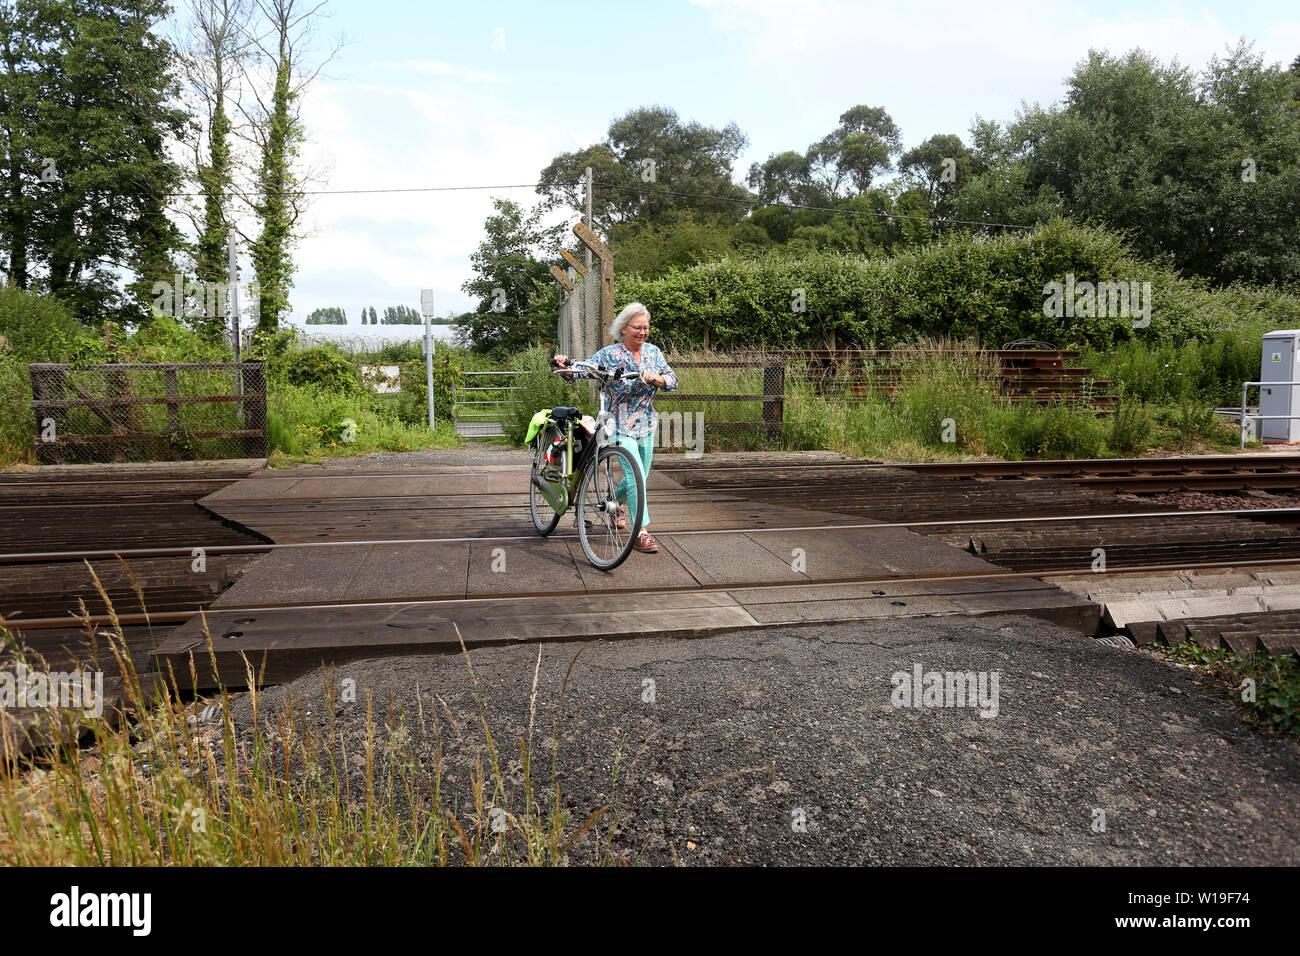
[(168, 617), (163, 551), (1098, 466)]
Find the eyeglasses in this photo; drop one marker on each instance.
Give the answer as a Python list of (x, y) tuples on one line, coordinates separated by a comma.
[(638, 328)]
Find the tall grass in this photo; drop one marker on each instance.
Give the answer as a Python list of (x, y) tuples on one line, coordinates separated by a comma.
[(17, 424), (240, 780), (1209, 371), (945, 403), (309, 421)]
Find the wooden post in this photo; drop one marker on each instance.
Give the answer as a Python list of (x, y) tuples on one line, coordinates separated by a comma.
[(773, 399), (560, 276), (173, 393), (46, 452), (589, 239), (253, 380), (119, 413)]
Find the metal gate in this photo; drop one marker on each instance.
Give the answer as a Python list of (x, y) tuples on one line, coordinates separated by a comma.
[(482, 414)]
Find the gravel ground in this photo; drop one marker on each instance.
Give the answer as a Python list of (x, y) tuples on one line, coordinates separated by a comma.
[(1204, 501), (1081, 730)]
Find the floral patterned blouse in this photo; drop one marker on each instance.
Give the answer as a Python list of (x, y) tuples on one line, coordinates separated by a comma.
[(632, 403)]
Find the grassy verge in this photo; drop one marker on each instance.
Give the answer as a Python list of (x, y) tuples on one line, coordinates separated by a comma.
[(1268, 686), (947, 405), (311, 423)]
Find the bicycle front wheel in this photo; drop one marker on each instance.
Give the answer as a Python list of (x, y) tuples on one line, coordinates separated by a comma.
[(612, 470)]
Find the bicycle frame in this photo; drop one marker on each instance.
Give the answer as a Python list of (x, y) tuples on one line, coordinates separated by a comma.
[(567, 488)]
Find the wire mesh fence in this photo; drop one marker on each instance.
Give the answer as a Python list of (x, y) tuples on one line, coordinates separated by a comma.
[(149, 412), (732, 404), (579, 333)]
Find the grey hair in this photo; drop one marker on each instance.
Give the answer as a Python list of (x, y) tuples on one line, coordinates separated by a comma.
[(630, 311)]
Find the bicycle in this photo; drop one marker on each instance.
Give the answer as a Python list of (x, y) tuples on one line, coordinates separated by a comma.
[(574, 464)]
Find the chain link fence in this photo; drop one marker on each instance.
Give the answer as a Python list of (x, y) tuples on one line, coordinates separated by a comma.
[(579, 334), (149, 412), (732, 404)]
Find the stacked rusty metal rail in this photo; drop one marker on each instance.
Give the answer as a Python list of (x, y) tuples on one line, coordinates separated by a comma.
[(1043, 376)]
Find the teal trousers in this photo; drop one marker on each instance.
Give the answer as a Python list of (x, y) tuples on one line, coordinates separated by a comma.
[(642, 449)]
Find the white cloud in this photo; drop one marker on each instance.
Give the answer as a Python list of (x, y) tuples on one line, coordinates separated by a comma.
[(385, 247)]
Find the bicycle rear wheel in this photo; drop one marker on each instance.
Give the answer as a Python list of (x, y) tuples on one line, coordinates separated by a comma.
[(605, 544), (545, 517)]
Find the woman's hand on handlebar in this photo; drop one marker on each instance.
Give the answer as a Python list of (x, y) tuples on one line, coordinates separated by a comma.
[(559, 362)]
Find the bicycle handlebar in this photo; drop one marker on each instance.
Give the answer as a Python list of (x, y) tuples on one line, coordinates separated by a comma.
[(605, 375)]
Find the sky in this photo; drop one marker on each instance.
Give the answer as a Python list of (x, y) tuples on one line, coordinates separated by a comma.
[(438, 94)]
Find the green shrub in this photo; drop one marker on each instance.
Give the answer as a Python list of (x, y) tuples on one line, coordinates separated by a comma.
[(539, 388), (1275, 703), (320, 366), (1028, 431), (1190, 421), (166, 340), (17, 424), (37, 328), (280, 437), (960, 286), (1209, 371)]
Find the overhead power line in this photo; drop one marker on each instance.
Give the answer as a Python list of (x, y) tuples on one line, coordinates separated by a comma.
[(641, 189), (834, 209)]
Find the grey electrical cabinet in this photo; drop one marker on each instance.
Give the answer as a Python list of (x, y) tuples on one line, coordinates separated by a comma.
[(1280, 363)]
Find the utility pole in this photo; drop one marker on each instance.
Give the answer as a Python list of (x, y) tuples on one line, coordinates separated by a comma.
[(234, 291), (233, 296), (589, 189), (426, 306)]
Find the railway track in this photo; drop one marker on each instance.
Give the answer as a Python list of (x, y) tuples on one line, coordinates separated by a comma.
[(1029, 519), (216, 612), (1145, 475)]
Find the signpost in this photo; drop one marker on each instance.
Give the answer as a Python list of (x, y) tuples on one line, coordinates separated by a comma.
[(426, 306)]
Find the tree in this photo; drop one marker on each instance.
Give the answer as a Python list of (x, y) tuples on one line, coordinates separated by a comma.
[(332, 315), (88, 91), (402, 315), (1204, 169), (938, 168), (652, 167), (516, 299), (841, 164), (655, 250), (216, 56), (275, 126), (850, 156)]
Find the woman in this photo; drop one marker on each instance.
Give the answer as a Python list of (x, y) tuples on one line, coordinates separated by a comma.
[(632, 402)]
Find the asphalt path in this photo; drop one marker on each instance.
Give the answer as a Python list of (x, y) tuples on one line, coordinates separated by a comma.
[(789, 747)]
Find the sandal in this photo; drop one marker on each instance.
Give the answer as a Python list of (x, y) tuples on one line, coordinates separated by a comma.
[(646, 543), (619, 520)]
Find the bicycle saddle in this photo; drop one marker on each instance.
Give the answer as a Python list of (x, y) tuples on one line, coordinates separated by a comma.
[(563, 412)]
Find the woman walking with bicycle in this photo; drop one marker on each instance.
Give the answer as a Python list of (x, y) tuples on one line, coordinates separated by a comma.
[(632, 402)]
